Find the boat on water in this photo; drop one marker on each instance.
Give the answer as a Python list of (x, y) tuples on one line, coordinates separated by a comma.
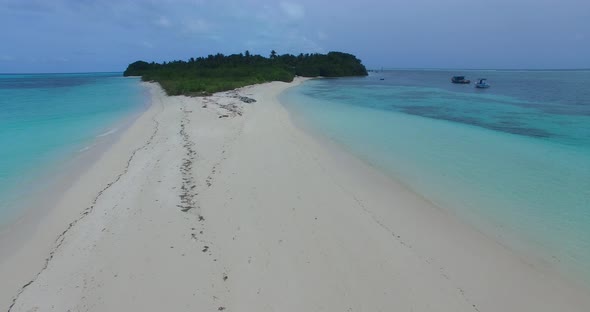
[(460, 79), (482, 83)]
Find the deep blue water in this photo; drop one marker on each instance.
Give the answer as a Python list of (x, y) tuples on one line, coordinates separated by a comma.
[(45, 119), (513, 160)]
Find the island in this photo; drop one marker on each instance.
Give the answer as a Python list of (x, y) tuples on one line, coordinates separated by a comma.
[(215, 73)]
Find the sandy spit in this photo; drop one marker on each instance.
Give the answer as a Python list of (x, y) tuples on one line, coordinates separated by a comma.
[(213, 204)]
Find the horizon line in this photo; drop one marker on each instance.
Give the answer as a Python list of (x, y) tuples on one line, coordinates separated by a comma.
[(368, 68), (476, 69), (62, 73)]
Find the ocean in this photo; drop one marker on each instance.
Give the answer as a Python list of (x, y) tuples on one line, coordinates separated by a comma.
[(512, 160), (46, 120)]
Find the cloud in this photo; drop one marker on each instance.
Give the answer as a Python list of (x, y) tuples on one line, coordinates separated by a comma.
[(147, 44), (84, 53), (197, 26), (35, 6), (293, 10), (163, 22)]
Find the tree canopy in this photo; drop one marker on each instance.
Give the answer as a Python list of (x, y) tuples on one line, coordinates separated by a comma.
[(214, 73)]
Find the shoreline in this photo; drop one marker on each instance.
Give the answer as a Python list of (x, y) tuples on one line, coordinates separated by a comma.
[(30, 236), (60, 174), (232, 205), (346, 158), (535, 256), (69, 163)]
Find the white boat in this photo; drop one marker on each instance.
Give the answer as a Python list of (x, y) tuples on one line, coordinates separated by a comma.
[(482, 84)]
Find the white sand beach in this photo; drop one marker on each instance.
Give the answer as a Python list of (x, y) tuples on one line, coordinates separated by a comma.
[(213, 204)]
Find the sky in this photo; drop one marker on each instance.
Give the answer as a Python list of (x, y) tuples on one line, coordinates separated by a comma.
[(107, 35)]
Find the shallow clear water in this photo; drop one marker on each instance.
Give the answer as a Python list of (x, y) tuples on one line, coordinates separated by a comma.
[(46, 118), (513, 160)]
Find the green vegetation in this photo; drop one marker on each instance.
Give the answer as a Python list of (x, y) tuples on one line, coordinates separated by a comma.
[(206, 75)]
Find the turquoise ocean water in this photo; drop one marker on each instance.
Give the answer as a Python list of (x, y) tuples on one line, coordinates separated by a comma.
[(46, 119), (512, 160)]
